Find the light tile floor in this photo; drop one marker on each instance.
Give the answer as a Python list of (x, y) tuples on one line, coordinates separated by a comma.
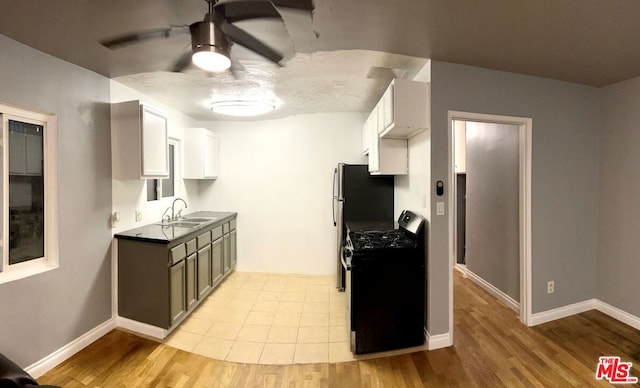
[(269, 319)]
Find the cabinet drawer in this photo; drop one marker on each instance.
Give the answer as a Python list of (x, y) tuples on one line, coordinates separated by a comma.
[(232, 224), (191, 247), (216, 233), (204, 239), (177, 254), (225, 228)]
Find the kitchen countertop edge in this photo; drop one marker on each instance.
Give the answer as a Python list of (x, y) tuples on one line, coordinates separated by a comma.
[(157, 233)]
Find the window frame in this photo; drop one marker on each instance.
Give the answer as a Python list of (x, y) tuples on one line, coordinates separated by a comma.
[(177, 173), (50, 261)]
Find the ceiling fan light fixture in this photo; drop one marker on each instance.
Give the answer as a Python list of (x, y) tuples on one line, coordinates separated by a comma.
[(209, 47), (211, 58), (243, 108)]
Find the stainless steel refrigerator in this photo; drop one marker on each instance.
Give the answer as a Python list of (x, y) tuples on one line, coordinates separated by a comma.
[(358, 196)]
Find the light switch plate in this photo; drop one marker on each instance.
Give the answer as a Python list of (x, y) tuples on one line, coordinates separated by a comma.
[(138, 215), (440, 208)]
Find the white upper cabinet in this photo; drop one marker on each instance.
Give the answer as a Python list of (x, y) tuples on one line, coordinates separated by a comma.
[(372, 127), (404, 109), (25, 153), (201, 154), (140, 143), (386, 156)]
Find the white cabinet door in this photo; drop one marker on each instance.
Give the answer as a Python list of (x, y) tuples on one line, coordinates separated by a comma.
[(17, 156), (201, 160), (25, 153), (155, 143), (34, 154), (406, 109), (387, 108), (139, 141), (211, 155), (374, 158)]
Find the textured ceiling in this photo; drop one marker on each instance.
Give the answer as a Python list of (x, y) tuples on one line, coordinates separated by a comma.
[(595, 42)]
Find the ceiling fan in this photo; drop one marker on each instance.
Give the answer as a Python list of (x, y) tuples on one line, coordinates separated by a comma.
[(211, 39)]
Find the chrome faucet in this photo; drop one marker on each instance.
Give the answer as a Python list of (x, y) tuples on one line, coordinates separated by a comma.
[(175, 216), (165, 215)]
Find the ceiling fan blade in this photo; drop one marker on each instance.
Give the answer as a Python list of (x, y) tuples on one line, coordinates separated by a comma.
[(243, 38), (236, 65), (158, 33), (305, 5), (236, 10), (183, 61)]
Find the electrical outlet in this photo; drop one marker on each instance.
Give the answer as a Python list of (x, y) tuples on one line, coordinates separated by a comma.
[(138, 215), (551, 287)]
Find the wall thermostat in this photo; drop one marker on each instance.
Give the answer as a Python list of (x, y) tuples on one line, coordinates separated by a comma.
[(439, 188)]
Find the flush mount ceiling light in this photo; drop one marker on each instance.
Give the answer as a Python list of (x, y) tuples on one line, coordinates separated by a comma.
[(243, 108)]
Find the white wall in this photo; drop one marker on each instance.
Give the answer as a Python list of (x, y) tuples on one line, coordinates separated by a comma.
[(564, 198), (131, 195), (277, 174), (619, 214), (42, 313), (412, 190)]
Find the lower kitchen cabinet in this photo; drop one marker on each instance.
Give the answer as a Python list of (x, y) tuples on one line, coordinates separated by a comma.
[(226, 252), (217, 265), (191, 285), (229, 246), (204, 271), (160, 283), (177, 289), (232, 249)]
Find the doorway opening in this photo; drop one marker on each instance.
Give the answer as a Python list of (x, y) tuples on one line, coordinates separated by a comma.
[(490, 206)]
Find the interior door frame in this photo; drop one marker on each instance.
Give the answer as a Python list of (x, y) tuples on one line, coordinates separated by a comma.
[(525, 126)]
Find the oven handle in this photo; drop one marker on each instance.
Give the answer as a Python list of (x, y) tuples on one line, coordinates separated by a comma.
[(347, 267)]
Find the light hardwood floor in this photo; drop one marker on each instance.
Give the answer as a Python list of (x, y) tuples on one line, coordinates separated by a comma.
[(491, 349)]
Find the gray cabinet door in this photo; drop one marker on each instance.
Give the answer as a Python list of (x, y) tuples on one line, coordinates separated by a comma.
[(177, 291), (227, 253), (204, 271), (191, 284), (217, 261), (233, 252)]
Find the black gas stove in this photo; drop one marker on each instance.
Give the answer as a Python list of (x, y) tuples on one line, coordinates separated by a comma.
[(385, 264), (375, 240)]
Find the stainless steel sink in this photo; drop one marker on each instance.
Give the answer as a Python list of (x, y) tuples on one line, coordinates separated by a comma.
[(183, 224), (199, 219), (187, 222)]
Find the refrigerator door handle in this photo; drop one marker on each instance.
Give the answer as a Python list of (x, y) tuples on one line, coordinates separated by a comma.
[(334, 197), (333, 212)]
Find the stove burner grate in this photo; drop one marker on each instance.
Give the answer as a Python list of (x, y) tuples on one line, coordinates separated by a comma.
[(381, 240)]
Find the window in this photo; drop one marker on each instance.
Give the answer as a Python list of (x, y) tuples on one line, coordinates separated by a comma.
[(164, 188), (28, 212)]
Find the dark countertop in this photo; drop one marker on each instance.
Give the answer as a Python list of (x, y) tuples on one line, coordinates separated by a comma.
[(166, 233), (368, 226)]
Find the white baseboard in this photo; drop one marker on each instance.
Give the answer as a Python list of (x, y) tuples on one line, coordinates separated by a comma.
[(142, 328), (490, 288), (563, 312), (438, 341), (41, 367), (618, 314)]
